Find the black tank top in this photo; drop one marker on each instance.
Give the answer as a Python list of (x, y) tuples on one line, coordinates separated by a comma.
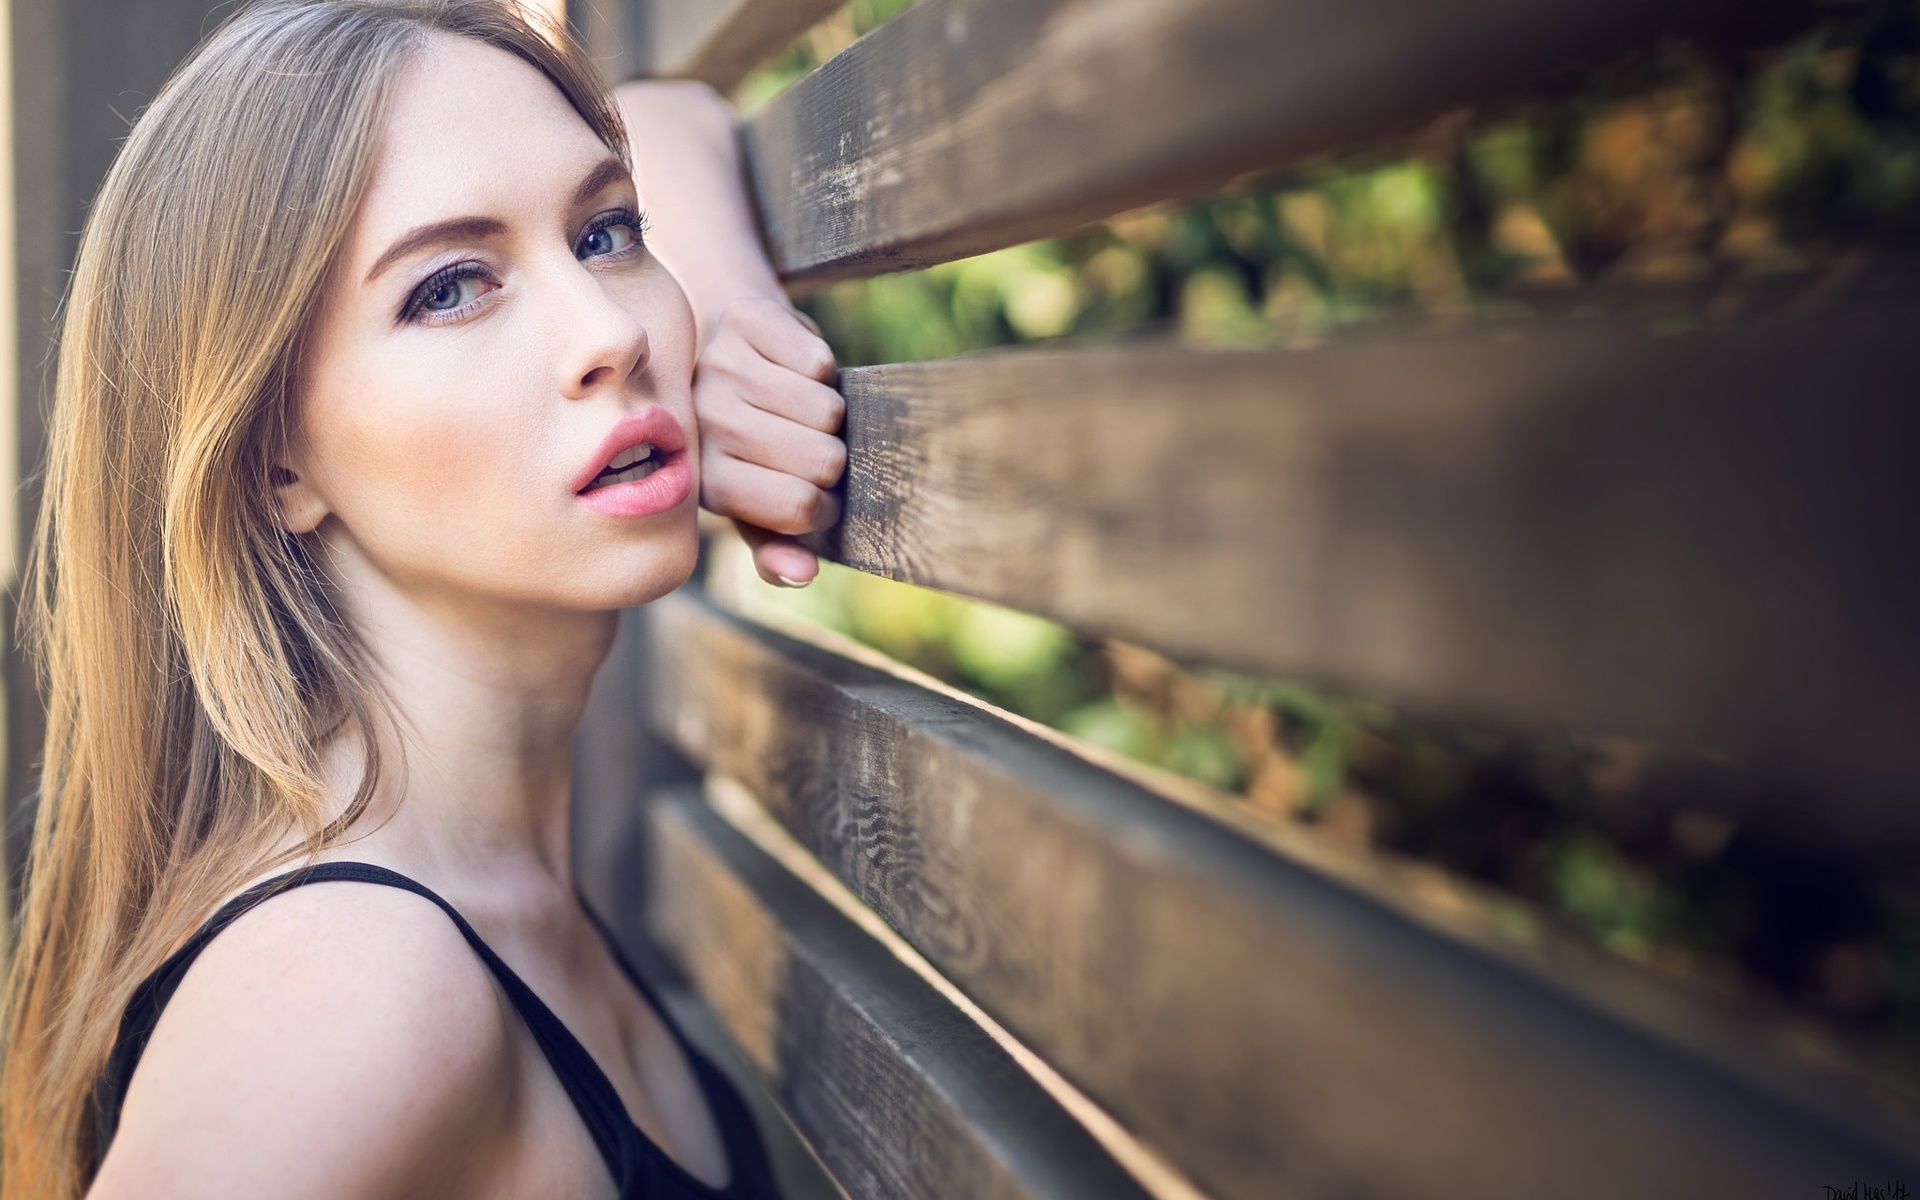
[(640, 1168)]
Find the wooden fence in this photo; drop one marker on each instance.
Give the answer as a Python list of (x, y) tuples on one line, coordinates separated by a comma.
[(968, 958)]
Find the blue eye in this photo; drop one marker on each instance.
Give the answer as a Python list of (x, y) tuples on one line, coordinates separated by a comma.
[(610, 233), (448, 290), (448, 293)]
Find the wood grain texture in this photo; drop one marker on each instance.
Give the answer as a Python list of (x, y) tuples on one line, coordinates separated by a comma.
[(961, 126), (899, 1093), (610, 759), (720, 41), (1711, 537), (1272, 1031), (609, 855)]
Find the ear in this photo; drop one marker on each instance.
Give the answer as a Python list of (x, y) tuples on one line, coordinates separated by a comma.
[(301, 507)]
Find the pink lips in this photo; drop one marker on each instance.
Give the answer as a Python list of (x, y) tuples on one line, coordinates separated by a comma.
[(666, 488)]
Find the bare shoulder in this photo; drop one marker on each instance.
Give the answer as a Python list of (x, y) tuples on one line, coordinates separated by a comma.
[(339, 1039)]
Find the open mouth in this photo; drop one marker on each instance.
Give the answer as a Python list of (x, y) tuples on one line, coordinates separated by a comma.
[(639, 469), (635, 462)]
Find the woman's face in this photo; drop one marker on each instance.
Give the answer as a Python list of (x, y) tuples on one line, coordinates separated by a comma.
[(493, 337)]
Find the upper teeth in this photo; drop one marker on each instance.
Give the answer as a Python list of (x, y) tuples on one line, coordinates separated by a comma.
[(630, 456)]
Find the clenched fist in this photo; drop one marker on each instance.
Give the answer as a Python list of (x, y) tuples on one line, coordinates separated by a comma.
[(770, 450)]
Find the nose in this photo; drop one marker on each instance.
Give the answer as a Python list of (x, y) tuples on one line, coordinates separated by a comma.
[(604, 342)]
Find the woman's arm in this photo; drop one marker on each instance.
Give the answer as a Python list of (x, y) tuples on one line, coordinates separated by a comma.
[(763, 394), (686, 162)]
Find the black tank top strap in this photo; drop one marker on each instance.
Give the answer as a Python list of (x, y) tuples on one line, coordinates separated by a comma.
[(638, 1166)]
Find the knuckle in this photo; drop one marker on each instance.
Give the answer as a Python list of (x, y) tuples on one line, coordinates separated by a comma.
[(829, 513), (832, 462), (817, 360), (804, 509), (836, 410)]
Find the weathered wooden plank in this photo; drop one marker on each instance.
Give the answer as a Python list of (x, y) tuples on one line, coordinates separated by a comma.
[(715, 41), (1710, 537), (610, 759), (961, 126), (609, 854), (720, 41), (899, 1093), (1272, 1030)]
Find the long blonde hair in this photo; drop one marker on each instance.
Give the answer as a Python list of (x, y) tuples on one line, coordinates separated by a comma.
[(191, 659)]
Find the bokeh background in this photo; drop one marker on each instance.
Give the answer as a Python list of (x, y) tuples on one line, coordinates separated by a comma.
[(1671, 181)]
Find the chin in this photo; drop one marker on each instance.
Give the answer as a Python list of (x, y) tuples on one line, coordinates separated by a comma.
[(651, 571)]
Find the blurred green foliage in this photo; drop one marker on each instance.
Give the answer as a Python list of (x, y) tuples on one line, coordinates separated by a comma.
[(1676, 166), (1613, 840), (817, 45), (1019, 662)]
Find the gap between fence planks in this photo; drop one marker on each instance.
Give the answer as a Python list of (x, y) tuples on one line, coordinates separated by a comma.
[(1709, 538), (961, 126), (1268, 1029), (899, 1093)]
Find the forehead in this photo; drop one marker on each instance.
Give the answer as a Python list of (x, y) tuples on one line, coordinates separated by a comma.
[(471, 131)]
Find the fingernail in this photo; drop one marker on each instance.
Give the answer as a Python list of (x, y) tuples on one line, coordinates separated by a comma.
[(794, 582)]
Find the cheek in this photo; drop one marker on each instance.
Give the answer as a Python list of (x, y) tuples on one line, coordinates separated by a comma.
[(675, 353), (448, 458), (654, 296), (420, 453), (672, 317)]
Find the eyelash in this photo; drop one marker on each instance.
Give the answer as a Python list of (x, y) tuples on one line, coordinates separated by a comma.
[(415, 307), (619, 216), (414, 310)]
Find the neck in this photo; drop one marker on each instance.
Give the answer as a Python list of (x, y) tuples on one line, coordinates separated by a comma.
[(485, 698)]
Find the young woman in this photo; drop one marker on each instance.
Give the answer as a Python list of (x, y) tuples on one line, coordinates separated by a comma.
[(376, 400)]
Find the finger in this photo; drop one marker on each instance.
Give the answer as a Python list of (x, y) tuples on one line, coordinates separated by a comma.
[(776, 334), (773, 500), (757, 436), (770, 388), (779, 559)]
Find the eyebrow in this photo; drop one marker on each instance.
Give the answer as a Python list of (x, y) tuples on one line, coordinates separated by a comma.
[(610, 170), (459, 229)]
